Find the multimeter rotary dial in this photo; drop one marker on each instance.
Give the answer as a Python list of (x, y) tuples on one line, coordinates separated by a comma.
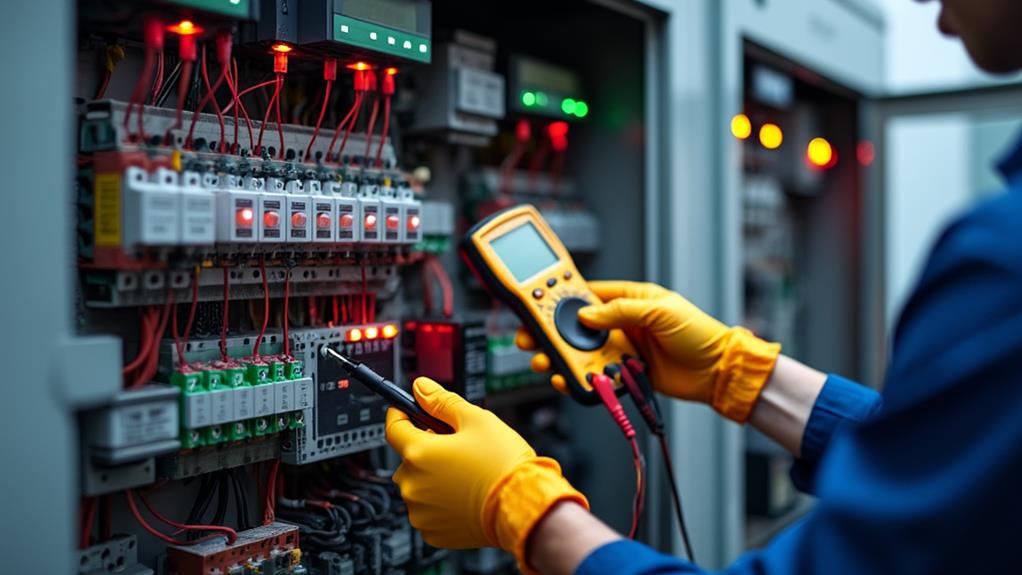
[(573, 331)]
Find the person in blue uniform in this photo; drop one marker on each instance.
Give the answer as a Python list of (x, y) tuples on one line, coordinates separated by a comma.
[(923, 478)]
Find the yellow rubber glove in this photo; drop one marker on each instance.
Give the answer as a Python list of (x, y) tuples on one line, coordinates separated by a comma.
[(690, 355), (481, 486)]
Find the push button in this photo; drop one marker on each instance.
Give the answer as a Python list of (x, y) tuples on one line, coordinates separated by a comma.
[(572, 331), (537, 293), (567, 275), (551, 282)]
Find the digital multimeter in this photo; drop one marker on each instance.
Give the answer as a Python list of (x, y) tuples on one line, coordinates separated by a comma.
[(517, 256)]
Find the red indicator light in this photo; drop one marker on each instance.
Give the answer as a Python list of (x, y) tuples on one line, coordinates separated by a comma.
[(184, 28), (354, 334), (244, 217), (370, 221), (413, 223), (343, 384), (271, 219), (299, 219), (393, 222), (323, 221), (426, 328), (346, 221), (865, 152), (360, 66), (391, 71), (281, 48), (410, 325), (444, 328), (372, 333), (390, 331)]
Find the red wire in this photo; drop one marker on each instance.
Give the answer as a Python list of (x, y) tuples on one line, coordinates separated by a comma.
[(365, 290), (227, 305), (182, 340), (269, 505), (104, 83), (240, 104), (369, 128), (210, 95), (128, 495), (352, 115), (148, 317), (154, 350), (445, 285), (280, 124), (182, 95), (231, 85), (88, 509), (287, 296), (266, 307), (138, 94), (216, 104), (248, 90), (266, 116), (159, 80), (639, 489), (383, 133), (319, 120), (336, 309), (313, 312), (231, 534)]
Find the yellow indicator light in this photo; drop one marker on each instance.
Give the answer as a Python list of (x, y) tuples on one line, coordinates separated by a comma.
[(771, 136), (741, 127), (819, 153)]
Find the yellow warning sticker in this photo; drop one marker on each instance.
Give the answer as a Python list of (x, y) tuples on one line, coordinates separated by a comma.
[(108, 209)]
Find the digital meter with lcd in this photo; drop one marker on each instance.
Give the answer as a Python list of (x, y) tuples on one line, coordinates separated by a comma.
[(518, 257)]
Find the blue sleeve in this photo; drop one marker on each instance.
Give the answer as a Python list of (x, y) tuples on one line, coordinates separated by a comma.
[(930, 483), (841, 402)]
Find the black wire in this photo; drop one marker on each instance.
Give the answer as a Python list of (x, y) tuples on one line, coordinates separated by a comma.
[(240, 512), (675, 495), (223, 498)]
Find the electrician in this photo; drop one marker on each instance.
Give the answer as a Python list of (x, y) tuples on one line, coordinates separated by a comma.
[(924, 478)]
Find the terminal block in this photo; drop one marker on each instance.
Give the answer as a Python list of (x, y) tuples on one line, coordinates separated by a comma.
[(116, 555), (230, 401), (266, 550)]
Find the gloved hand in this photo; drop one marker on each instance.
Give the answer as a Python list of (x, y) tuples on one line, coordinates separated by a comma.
[(481, 486), (690, 355)]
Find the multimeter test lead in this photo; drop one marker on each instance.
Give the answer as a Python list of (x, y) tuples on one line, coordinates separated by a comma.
[(389, 391)]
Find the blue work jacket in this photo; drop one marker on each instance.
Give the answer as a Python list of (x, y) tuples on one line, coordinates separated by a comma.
[(927, 477)]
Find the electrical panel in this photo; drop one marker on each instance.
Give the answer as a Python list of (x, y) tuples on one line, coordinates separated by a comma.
[(258, 179)]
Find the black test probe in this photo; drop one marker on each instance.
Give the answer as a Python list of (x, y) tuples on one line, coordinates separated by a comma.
[(389, 391)]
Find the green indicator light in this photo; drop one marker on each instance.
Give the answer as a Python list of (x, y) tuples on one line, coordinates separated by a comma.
[(541, 99), (581, 109), (528, 98), (568, 106)]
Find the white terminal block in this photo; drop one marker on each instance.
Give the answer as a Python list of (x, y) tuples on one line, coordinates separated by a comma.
[(265, 399), (151, 207), (347, 216), (198, 212), (371, 210), (222, 405), (305, 393), (392, 219), (411, 216), (244, 402), (236, 207), (272, 212), (284, 396), (324, 213), (299, 209)]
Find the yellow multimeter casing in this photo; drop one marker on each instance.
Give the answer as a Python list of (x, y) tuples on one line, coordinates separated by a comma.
[(519, 258)]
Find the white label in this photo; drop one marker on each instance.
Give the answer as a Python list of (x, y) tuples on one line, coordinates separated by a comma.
[(244, 403), (304, 393), (264, 400), (197, 410), (222, 404), (285, 396)]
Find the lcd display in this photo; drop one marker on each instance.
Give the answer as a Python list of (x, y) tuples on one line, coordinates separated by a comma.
[(524, 252), (399, 14)]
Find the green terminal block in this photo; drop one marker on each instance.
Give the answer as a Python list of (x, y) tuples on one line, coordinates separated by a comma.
[(235, 376), (294, 369), (296, 420), (263, 426), (277, 371), (258, 373), (216, 434), (239, 430), (191, 382), (215, 379), (192, 438)]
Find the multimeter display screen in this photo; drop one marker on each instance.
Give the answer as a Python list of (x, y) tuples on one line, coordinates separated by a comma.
[(524, 252)]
